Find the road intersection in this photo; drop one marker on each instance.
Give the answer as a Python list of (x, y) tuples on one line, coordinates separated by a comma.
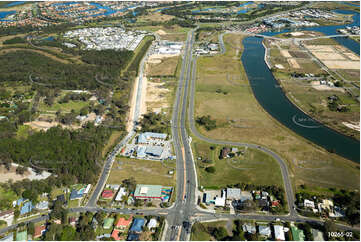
[(184, 212)]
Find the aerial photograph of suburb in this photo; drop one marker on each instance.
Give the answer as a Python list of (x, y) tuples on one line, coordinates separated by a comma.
[(157, 120)]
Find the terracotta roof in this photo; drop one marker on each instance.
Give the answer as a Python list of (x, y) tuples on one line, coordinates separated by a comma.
[(38, 231), (115, 234), (107, 193), (123, 222)]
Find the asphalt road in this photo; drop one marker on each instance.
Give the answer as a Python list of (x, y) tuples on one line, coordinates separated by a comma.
[(184, 209), (281, 162)]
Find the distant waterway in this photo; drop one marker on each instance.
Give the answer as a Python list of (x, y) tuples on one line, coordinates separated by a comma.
[(4, 14), (276, 103), (12, 4), (351, 44)]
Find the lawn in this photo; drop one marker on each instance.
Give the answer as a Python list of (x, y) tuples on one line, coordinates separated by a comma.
[(144, 172), (64, 107), (254, 167), (114, 137), (240, 118), (200, 230), (6, 197), (22, 132), (167, 67)]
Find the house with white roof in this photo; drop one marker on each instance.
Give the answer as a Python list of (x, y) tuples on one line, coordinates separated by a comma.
[(279, 233)]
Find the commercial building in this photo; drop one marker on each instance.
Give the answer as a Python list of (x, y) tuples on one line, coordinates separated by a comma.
[(147, 137), (143, 191)]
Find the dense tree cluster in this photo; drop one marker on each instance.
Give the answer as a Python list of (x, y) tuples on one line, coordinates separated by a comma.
[(18, 65), (15, 40), (207, 122), (154, 122), (63, 152)]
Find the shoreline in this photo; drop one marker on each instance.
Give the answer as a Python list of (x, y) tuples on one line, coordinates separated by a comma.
[(303, 111)]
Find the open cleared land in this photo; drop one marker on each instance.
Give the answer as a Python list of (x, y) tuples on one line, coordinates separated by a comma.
[(162, 66), (240, 118), (200, 231), (307, 93), (252, 167), (144, 172)]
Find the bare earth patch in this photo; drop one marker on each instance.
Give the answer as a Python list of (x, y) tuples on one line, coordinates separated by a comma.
[(6, 175), (354, 125), (293, 63), (316, 85)]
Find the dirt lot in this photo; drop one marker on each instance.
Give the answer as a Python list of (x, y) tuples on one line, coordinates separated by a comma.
[(161, 65), (316, 85), (156, 96), (293, 63), (349, 65), (285, 54), (6, 175), (298, 54)]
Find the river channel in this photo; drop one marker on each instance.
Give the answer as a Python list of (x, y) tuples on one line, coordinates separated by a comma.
[(274, 101)]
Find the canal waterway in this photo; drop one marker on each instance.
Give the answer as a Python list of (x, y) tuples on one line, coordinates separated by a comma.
[(276, 103)]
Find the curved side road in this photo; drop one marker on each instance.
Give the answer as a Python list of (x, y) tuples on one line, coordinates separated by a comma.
[(282, 163)]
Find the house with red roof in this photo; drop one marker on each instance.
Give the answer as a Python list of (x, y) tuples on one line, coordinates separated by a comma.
[(123, 223), (107, 194), (115, 234), (39, 231)]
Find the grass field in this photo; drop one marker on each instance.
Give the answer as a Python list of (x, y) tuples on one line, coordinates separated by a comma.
[(22, 132), (240, 118), (200, 231), (314, 102), (254, 167), (144, 172), (7, 196), (167, 67), (64, 107), (111, 141)]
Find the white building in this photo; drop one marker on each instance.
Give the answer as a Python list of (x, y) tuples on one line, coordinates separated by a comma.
[(279, 232), (120, 194)]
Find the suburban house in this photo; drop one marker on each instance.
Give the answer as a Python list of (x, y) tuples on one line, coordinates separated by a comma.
[(279, 233), (115, 234), (61, 198), (27, 207), (308, 204), (39, 231), (152, 224), (43, 205), (137, 226), (297, 233), (233, 193), (6, 214), (245, 195), (123, 223), (249, 228), (225, 152), (264, 230), (108, 223), (107, 194), (22, 236), (76, 194), (317, 235), (220, 201), (120, 194)]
